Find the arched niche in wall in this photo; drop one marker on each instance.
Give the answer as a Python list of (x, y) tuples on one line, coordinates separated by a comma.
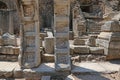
[(13, 7), (3, 5), (46, 13)]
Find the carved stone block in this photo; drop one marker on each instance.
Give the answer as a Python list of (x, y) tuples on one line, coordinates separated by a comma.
[(9, 39), (29, 41), (61, 43), (61, 26), (111, 26), (28, 10), (110, 39), (63, 62), (61, 10), (49, 45), (29, 27)]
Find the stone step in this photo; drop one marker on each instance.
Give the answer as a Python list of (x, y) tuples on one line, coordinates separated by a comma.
[(48, 57), (97, 50), (8, 57), (9, 50), (79, 41), (86, 53), (83, 49), (88, 58)]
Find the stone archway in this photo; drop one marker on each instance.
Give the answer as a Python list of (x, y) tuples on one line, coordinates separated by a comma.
[(12, 8), (3, 5), (3, 17)]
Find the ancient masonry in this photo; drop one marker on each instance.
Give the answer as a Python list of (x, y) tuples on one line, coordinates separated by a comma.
[(30, 53), (109, 38), (61, 32)]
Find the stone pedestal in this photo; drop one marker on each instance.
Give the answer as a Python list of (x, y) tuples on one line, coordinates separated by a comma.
[(30, 44), (49, 43), (61, 32), (109, 38)]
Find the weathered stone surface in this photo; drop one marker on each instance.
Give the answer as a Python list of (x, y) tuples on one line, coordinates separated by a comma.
[(92, 40), (93, 26), (29, 56), (49, 45), (43, 69), (62, 43), (112, 53), (61, 32), (7, 50), (8, 57), (96, 50), (79, 25), (9, 39), (12, 58), (2, 57), (48, 57), (115, 36), (6, 69), (45, 78), (119, 74), (90, 67), (110, 67), (102, 43), (81, 49), (110, 39), (18, 72), (16, 50), (111, 26), (1, 41), (63, 62), (43, 35), (71, 51), (79, 41)]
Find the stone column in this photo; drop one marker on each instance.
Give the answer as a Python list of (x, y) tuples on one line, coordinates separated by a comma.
[(30, 51), (61, 32), (11, 26)]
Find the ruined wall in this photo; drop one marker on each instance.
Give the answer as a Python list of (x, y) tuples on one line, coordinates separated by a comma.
[(46, 13), (16, 20)]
